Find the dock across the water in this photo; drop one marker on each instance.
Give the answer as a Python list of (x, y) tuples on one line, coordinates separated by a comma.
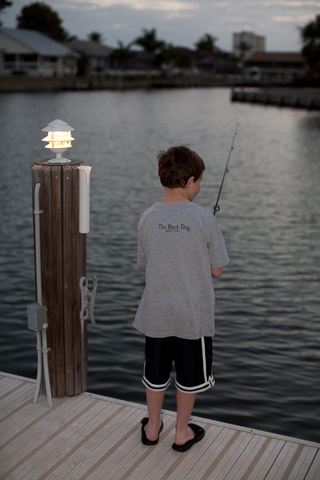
[(94, 437), (308, 99)]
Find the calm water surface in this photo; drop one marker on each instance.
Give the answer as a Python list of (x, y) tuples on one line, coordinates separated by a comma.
[(266, 348)]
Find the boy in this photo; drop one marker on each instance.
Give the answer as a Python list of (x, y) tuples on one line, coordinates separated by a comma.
[(181, 247)]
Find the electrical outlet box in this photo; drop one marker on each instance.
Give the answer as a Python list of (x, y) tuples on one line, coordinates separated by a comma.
[(37, 316)]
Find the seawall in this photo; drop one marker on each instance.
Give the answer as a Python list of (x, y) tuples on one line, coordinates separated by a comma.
[(306, 98)]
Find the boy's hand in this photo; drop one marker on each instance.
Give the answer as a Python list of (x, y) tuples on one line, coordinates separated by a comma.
[(217, 272)]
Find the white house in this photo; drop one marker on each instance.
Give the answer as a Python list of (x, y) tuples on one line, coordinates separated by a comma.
[(28, 52), (96, 54), (275, 67)]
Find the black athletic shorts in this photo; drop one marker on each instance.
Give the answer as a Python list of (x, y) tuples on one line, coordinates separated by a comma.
[(192, 359)]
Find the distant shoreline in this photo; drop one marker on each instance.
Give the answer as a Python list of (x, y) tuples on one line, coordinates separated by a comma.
[(27, 84), (286, 96)]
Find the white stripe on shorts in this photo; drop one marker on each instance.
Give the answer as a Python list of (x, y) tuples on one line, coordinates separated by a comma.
[(208, 382)]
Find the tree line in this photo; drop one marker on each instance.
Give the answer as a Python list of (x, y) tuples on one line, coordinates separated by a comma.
[(41, 17)]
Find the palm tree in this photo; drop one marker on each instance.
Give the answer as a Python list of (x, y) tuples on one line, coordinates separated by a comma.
[(244, 48), (173, 57), (95, 37), (149, 42), (310, 37), (122, 55), (151, 45), (207, 42)]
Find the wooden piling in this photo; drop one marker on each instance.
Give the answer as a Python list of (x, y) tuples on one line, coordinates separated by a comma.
[(63, 263)]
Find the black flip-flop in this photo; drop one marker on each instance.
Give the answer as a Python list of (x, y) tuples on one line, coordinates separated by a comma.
[(199, 433), (144, 438)]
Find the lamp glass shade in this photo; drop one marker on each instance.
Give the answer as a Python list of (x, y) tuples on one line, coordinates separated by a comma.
[(58, 137)]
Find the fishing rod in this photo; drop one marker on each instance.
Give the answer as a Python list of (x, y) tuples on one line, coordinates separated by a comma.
[(216, 208)]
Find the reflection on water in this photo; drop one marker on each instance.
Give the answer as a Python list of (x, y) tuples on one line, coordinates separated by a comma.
[(266, 350)]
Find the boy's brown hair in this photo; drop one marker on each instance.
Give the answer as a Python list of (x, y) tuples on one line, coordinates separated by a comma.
[(177, 165)]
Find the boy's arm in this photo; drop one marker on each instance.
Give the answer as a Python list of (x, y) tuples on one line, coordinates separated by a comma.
[(217, 272)]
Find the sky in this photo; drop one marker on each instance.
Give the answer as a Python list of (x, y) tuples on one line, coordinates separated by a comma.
[(182, 22)]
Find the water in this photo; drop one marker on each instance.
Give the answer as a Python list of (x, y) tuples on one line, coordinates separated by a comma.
[(266, 349)]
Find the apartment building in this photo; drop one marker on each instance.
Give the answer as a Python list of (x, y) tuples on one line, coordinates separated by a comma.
[(247, 43)]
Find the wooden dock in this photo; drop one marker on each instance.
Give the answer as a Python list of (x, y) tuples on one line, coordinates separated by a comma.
[(295, 98), (94, 437)]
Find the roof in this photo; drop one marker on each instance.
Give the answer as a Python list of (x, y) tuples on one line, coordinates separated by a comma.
[(276, 57), (205, 54), (38, 42), (90, 48)]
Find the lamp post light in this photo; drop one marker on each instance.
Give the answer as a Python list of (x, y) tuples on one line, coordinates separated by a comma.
[(59, 138)]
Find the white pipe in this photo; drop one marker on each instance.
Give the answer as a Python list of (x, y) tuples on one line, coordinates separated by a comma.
[(45, 351), (39, 372), (41, 346), (38, 280), (37, 213), (84, 198)]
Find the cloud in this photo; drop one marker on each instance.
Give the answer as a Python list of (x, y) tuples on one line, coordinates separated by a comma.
[(160, 5), (290, 3), (280, 19), (182, 22)]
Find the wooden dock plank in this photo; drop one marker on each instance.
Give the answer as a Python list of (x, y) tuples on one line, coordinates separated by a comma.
[(285, 462), (264, 459), (19, 411), (224, 461), (19, 402), (10, 388), (108, 448), (179, 464), (30, 416), (314, 470), (112, 459), (249, 458), (160, 460), (15, 397), (128, 460), (303, 464), (38, 433), (106, 442), (91, 437), (82, 448), (84, 452), (97, 442), (151, 458), (7, 385), (184, 463), (67, 441)]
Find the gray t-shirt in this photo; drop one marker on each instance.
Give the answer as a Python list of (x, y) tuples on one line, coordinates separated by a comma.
[(179, 245)]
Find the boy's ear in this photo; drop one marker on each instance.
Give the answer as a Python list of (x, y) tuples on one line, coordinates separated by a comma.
[(190, 181)]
